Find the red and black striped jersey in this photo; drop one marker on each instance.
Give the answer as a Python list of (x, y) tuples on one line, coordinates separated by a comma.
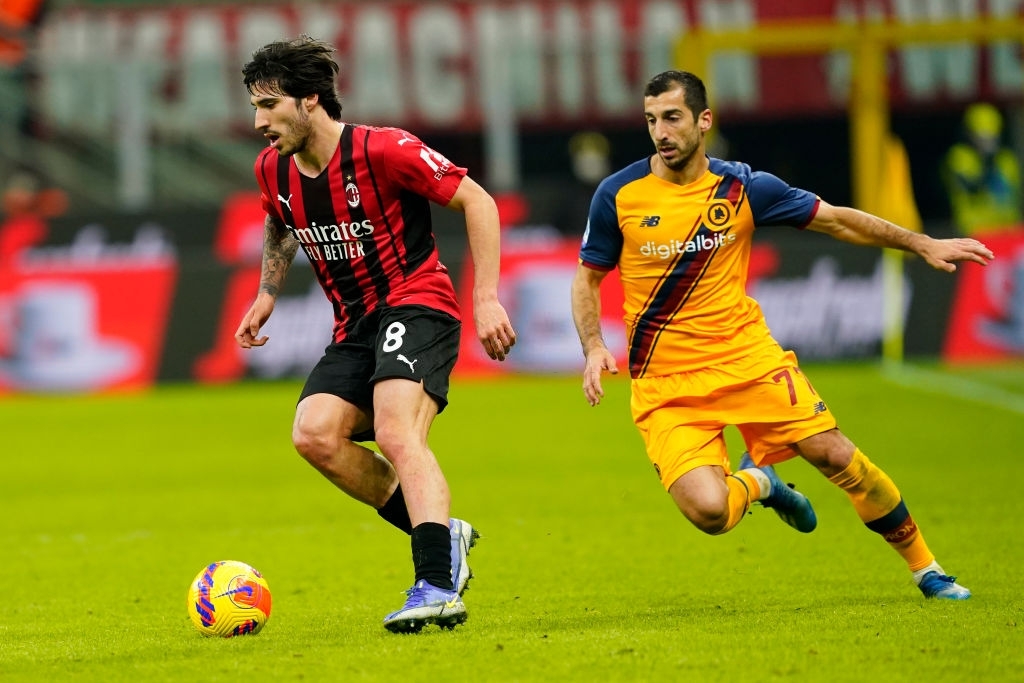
[(364, 222)]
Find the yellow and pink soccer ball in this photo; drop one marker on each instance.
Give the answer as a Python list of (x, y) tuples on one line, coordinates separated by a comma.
[(229, 598)]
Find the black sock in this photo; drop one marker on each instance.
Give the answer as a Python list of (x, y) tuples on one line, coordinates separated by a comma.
[(394, 511), (432, 554)]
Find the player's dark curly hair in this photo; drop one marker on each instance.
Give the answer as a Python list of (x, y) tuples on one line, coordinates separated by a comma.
[(694, 93), (296, 68)]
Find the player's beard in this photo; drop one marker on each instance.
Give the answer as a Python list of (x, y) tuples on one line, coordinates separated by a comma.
[(298, 139), (686, 151)]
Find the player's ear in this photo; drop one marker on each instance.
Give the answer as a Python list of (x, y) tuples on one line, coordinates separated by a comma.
[(310, 101), (705, 120)]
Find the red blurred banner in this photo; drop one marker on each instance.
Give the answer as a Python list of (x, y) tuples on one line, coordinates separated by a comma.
[(238, 244), (120, 303), (986, 321), (83, 317), (537, 270)]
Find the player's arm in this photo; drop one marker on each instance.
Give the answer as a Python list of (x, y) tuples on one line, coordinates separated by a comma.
[(864, 229), (493, 327), (586, 313), (279, 247)]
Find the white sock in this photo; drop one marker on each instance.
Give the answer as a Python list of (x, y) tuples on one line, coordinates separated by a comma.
[(763, 482), (933, 567)]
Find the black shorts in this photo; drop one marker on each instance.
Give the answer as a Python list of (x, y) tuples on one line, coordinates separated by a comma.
[(413, 342)]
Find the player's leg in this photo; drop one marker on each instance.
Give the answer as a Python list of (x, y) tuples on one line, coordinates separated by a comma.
[(682, 417), (778, 406), (880, 506), (334, 413), (681, 422), (713, 501), (321, 433), (403, 416), (402, 420), (416, 351)]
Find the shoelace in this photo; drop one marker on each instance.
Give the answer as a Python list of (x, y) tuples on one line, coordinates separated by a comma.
[(943, 578), (415, 594)]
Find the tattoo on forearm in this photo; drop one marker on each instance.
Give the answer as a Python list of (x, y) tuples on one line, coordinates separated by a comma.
[(279, 248)]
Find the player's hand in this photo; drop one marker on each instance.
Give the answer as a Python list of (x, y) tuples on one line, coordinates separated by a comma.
[(944, 254), (247, 334), (598, 360), (493, 328)]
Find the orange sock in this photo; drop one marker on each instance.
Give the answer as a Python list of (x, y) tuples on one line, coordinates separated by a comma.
[(880, 506), (743, 489)]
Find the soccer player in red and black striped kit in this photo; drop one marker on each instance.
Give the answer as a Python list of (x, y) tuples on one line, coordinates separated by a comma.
[(355, 199)]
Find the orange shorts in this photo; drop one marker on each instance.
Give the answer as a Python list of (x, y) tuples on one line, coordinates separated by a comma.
[(682, 417)]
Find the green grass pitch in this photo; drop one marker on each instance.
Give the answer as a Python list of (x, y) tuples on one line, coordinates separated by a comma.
[(110, 505)]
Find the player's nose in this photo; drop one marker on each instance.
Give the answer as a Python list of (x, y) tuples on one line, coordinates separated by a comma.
[(261, 121)]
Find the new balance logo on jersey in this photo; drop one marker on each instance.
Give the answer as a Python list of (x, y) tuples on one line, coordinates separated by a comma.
[(820, 407), (286, 202), (650, 221), (705, 242), (410, 363)]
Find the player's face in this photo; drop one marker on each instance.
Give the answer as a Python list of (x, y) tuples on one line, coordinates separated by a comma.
[(282, 120), (678, 135)]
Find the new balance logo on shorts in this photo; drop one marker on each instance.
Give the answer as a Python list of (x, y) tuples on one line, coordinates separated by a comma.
[(650, 221), (819, 407)]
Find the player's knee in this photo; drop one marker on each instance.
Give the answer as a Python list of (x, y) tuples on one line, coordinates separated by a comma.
[(318, 447), (708, 516), (830, 452), (392, 441)]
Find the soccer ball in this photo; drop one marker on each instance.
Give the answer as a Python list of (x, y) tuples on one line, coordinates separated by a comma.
[(229, 598)]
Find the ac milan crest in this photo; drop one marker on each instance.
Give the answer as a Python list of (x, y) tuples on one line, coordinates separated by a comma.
[(352, 194)]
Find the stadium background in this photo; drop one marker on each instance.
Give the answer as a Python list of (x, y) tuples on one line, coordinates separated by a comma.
[(130, 239)]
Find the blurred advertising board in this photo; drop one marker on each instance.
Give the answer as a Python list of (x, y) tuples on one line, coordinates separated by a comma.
[(84, 313), (537, 269), (432, 66), (121, 302), (986, 318)]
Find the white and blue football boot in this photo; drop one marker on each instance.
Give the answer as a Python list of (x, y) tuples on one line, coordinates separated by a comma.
[(464, 537), (427, 604), (935, 584), (791, 506)]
